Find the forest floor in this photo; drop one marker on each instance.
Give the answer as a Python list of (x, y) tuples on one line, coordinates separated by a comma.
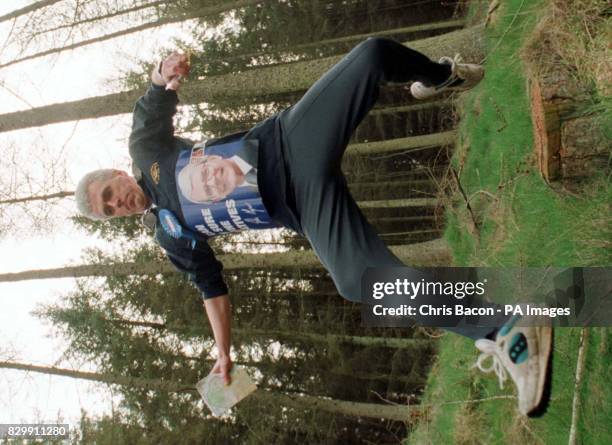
[(516, 218)]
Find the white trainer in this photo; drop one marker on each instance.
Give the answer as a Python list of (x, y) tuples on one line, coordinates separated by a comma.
[(464, 76), (525, 354)]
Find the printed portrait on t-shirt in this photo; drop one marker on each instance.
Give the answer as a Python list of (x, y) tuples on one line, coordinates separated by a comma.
[(217, 188)]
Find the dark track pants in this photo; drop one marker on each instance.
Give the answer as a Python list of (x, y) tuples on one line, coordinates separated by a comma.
[(316, 132)]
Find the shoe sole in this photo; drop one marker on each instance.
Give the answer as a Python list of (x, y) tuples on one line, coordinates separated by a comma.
[(545, 345)]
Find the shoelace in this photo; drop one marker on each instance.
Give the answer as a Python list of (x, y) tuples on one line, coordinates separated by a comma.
[(454, 60), (492, 350), (453, 63)]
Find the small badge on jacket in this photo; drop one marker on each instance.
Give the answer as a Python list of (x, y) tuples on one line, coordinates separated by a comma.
[(155, 173)]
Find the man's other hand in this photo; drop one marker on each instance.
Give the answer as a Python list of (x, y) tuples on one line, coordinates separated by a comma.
[(223, 366), (172, 71)]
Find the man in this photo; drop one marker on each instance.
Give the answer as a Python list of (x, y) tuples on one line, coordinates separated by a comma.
[(212, 178), (298, 154)]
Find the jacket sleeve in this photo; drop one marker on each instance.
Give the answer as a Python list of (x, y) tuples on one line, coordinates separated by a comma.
[(199, 263), (152, 119)]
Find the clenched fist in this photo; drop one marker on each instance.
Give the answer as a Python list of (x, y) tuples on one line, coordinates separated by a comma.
[(171, 71)]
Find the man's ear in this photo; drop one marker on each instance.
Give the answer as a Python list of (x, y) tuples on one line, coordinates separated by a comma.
[(120, 173)]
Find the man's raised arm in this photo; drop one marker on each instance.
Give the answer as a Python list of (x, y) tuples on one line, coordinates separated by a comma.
[(152, 118)]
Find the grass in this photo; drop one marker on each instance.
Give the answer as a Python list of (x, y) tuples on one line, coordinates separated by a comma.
[(451, 419), (522, 221), (576, 35), (517, 219)]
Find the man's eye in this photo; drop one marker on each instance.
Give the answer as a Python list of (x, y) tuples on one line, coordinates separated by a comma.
[(107, 194), (108, 211)]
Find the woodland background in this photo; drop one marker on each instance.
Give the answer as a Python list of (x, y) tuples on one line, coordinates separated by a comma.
[(134, 324)]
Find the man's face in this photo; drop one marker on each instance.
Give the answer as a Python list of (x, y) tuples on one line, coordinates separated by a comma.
[(118, 196), (214, 179)]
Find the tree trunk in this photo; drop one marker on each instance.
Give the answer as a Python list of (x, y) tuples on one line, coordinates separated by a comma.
[(382, 185), (395, 203), (364, 204), (392, 219), (400, 413), (413, 232), (37, 198), (27, 9), (226, 126), (155, 384), (356, 37), (211, 10), (426, 254), (410, 380), (381, 342), (109, 15), (410, 143), (410, 108), (366, 191), (298, 401), (436, 251), (275, 79)]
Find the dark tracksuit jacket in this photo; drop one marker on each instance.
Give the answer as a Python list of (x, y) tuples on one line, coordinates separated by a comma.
[(154, 150)]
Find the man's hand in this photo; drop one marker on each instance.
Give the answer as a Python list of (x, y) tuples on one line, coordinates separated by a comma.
[(223, 366), (172, 71)]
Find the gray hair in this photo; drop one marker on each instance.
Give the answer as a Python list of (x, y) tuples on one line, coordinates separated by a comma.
[(81, 194)]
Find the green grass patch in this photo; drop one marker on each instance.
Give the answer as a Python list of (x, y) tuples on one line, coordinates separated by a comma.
[(462, 408), (520, 221)]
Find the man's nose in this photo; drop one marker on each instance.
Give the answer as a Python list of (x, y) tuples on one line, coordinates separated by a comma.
[(211, 180), (116, 202)]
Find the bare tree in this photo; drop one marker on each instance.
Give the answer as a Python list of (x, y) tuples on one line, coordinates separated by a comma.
[(27, 9), (26, 195), (50, 196), (79, 22), (207, 11)]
